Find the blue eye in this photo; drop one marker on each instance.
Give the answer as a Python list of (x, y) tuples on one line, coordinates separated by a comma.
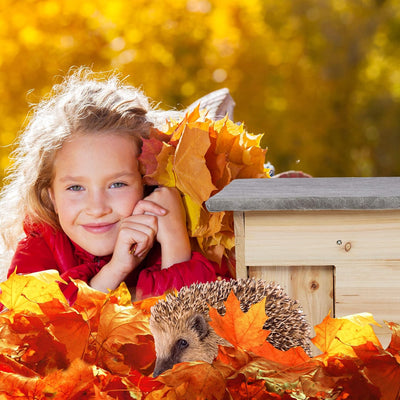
[(117, 185), (75, 188)]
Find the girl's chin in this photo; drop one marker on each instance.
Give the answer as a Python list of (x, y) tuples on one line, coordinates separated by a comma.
[(102, 251)]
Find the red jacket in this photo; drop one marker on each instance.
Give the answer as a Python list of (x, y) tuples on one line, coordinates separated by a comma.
[(44, 248)]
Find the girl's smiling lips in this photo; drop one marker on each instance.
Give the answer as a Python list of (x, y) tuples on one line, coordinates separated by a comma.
[(98, 228)]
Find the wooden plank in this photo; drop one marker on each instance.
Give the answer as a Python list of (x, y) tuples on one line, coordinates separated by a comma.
[(241, 269), (321, 238), (308, 194), (370, 287)]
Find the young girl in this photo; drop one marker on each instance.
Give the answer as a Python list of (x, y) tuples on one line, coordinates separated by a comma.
[(75, 191)]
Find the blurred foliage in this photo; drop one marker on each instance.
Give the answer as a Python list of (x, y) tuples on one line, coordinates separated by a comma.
[(321, 78)]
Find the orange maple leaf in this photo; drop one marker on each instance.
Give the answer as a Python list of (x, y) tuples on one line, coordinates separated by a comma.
[(245, 331), (241, 329)]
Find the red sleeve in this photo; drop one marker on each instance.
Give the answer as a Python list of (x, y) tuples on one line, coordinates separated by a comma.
[(32, 255), (154, 281)]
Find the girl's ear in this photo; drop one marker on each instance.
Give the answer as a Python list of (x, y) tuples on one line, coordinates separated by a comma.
[(51, 195)]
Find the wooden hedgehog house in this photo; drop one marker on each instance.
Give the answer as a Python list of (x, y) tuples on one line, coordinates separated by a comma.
[(332, 243)]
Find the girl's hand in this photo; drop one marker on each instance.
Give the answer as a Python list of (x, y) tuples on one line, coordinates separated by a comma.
[(172, 232), (135, 239)]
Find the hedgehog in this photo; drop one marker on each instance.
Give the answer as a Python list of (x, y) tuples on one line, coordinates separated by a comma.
[(179, 323)]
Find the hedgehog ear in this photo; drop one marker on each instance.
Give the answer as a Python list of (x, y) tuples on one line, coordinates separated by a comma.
[(198, 323)]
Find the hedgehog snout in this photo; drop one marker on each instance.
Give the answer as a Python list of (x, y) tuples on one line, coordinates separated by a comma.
[(162, 364)]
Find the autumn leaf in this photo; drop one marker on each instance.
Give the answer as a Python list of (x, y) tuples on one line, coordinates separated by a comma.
[(241, 387), (30, 340), (150, 150), (120, 324), (234, 356), (77, 380), (192, 175), (343, 377), (66, 323), (146, 304), (118, 327), (381, 368), (394, 345), (89, 302), (239, 328), (164, 173), (18, 386), (25, 292), (120, 295), (176, 129), (144, 383), (194, 380), (338, 335), (293, 356), (9, 364)]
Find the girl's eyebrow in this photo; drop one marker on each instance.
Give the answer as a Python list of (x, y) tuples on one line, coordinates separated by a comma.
[(69, 178)]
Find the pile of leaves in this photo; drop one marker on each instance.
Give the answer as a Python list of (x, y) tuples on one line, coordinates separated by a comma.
[(200, 157), (101, 348)]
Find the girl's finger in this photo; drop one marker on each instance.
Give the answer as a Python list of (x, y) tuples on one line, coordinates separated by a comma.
[(149, 207), (137, 237)]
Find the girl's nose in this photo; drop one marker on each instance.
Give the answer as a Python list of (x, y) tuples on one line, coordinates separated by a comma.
[(97, 204)]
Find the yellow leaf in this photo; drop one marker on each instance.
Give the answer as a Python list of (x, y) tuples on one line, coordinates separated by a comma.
[(193, 211), (25, 292), (122, 294), (337, 335)]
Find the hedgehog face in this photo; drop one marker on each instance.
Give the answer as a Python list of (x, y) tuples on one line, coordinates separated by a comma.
[(189, 339)]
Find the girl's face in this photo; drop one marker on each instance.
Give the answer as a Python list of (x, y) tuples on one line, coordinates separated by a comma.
[(96, 185)]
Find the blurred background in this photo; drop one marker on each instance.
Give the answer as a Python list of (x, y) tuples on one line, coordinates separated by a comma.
[(320, 78)]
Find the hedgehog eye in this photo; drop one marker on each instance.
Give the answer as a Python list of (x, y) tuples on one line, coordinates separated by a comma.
[(182, 344)]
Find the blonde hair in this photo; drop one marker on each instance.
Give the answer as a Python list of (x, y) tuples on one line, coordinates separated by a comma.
[(85, 102)]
